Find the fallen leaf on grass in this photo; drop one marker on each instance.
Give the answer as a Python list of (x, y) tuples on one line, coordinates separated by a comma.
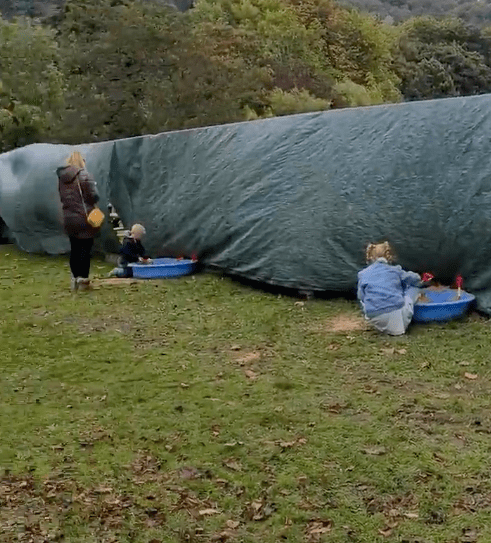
[(302, 480), (470, 535), (215, 430), (208, 512), (392, 350), (250, 374), (374, 451), (103, 490), (248, 357), (189, 473), (232, 524), (259, 510), (233, 444), (411, 515), (317, 528), (321, 530), (232, 464), (336, 407), (287, 444), (256, 505), (471, 376), (222, 536), (385, 532)]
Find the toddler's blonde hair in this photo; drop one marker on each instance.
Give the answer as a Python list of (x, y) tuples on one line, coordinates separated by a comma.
[(138, 230), (76, 159), (379, 250)]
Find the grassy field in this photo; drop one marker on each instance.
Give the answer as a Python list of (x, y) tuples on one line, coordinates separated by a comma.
[(199, 410)]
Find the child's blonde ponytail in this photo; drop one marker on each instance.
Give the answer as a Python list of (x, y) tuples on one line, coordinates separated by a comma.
[(379, 250), (368, 252)]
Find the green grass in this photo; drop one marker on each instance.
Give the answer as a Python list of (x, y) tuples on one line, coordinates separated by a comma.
[(199, 409)]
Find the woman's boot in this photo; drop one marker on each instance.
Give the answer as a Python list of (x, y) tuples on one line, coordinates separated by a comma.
[(83, 283)]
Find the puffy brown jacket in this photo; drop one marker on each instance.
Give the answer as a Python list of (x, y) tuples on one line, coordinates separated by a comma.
[(74, 214)]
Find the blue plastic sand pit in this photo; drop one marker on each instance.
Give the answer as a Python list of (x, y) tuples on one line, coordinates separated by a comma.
[(161, 268), (443, 305)]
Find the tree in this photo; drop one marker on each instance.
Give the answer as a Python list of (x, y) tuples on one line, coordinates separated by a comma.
[(313, 46), (270, 35), (438, 58), (139, 68), (31, 84), (358, 52)]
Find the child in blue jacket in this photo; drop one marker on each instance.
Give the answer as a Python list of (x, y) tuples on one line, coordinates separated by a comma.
[(386, 292)]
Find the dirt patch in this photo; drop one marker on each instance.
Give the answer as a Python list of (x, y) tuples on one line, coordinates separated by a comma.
[(251, 361), (114, 281), (244, 356), (346, 323), (248, 357), (121, 324), (142, 337)]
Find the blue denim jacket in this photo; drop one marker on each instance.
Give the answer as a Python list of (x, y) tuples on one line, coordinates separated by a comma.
[(382, 286)]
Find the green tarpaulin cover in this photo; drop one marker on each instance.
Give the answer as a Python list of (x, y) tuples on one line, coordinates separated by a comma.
[(290, 201)]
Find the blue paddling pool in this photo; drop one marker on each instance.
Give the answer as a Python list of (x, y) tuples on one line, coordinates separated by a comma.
[(160, 268), (441, 305)]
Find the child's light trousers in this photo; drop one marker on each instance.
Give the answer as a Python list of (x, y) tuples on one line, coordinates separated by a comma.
[(395, 323)]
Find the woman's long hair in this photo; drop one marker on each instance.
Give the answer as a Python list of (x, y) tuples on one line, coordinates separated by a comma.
[(76, 159)]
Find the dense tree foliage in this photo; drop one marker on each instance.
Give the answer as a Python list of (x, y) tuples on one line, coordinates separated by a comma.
[(31, 83), (119, 68), (475, 12), (146, 71), (437, 58)]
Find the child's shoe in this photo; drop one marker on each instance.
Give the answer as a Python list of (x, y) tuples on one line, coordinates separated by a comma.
[(118, 272), (74, 283)]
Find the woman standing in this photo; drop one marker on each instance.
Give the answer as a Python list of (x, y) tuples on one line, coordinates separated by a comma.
[(78, 194)]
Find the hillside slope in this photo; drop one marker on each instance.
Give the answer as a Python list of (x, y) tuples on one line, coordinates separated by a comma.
[(48, 9), (477, 12)]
